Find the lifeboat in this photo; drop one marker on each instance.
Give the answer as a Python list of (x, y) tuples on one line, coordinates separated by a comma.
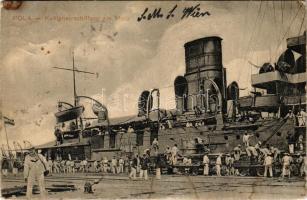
[(69, 114)]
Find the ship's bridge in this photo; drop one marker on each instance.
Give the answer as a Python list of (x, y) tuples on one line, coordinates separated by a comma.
[(288, 70), (285, 82), (265, 80)]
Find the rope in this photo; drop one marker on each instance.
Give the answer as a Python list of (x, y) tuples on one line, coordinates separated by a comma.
[(276, 27), (252, 35), (246, 20), (288, 29), (260, 26), (301, 25), (282, 12)]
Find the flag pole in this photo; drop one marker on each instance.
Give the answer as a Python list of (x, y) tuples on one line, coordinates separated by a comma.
[(8, 146)]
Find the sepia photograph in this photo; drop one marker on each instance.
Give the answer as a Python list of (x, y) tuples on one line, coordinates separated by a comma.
[(153, 99)]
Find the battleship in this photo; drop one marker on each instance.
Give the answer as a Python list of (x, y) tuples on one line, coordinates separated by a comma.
[(207, 110), (154, 100)]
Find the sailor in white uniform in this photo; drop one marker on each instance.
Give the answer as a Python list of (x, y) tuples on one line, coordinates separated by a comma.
[(34, 167)]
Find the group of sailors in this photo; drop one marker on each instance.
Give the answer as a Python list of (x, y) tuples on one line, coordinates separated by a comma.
[(116, 165), (300, 160), (286, 161), (140, 164), (7, 163), (35, 164), (299, 118), (269, 155), (265, 155)]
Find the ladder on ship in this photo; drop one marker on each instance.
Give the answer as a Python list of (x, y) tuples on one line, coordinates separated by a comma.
[(279, 126)]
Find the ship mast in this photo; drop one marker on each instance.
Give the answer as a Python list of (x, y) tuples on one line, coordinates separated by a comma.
[(74, 70), (74, 78)]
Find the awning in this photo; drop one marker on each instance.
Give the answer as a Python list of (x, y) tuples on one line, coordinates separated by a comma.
[(126, 120), (51, 145), (118, 121)]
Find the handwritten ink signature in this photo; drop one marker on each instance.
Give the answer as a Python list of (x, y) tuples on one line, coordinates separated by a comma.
[(157, 13)]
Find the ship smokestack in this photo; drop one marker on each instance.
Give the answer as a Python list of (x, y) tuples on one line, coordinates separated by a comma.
[(205, 76)]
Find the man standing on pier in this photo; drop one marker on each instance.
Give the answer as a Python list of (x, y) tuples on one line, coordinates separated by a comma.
[(35, 166), (268, 161), (174, 152), (206, 165), (218, 164), (144, 166), (134, 163), (114, 165), (286, 161)]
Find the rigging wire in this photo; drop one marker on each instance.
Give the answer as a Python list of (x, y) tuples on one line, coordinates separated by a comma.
[(249, 47), (299, 32), (276, 27), (288, 29), (259, 23), (246, 20), (252, 35), (282, 12), (259, 29)]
